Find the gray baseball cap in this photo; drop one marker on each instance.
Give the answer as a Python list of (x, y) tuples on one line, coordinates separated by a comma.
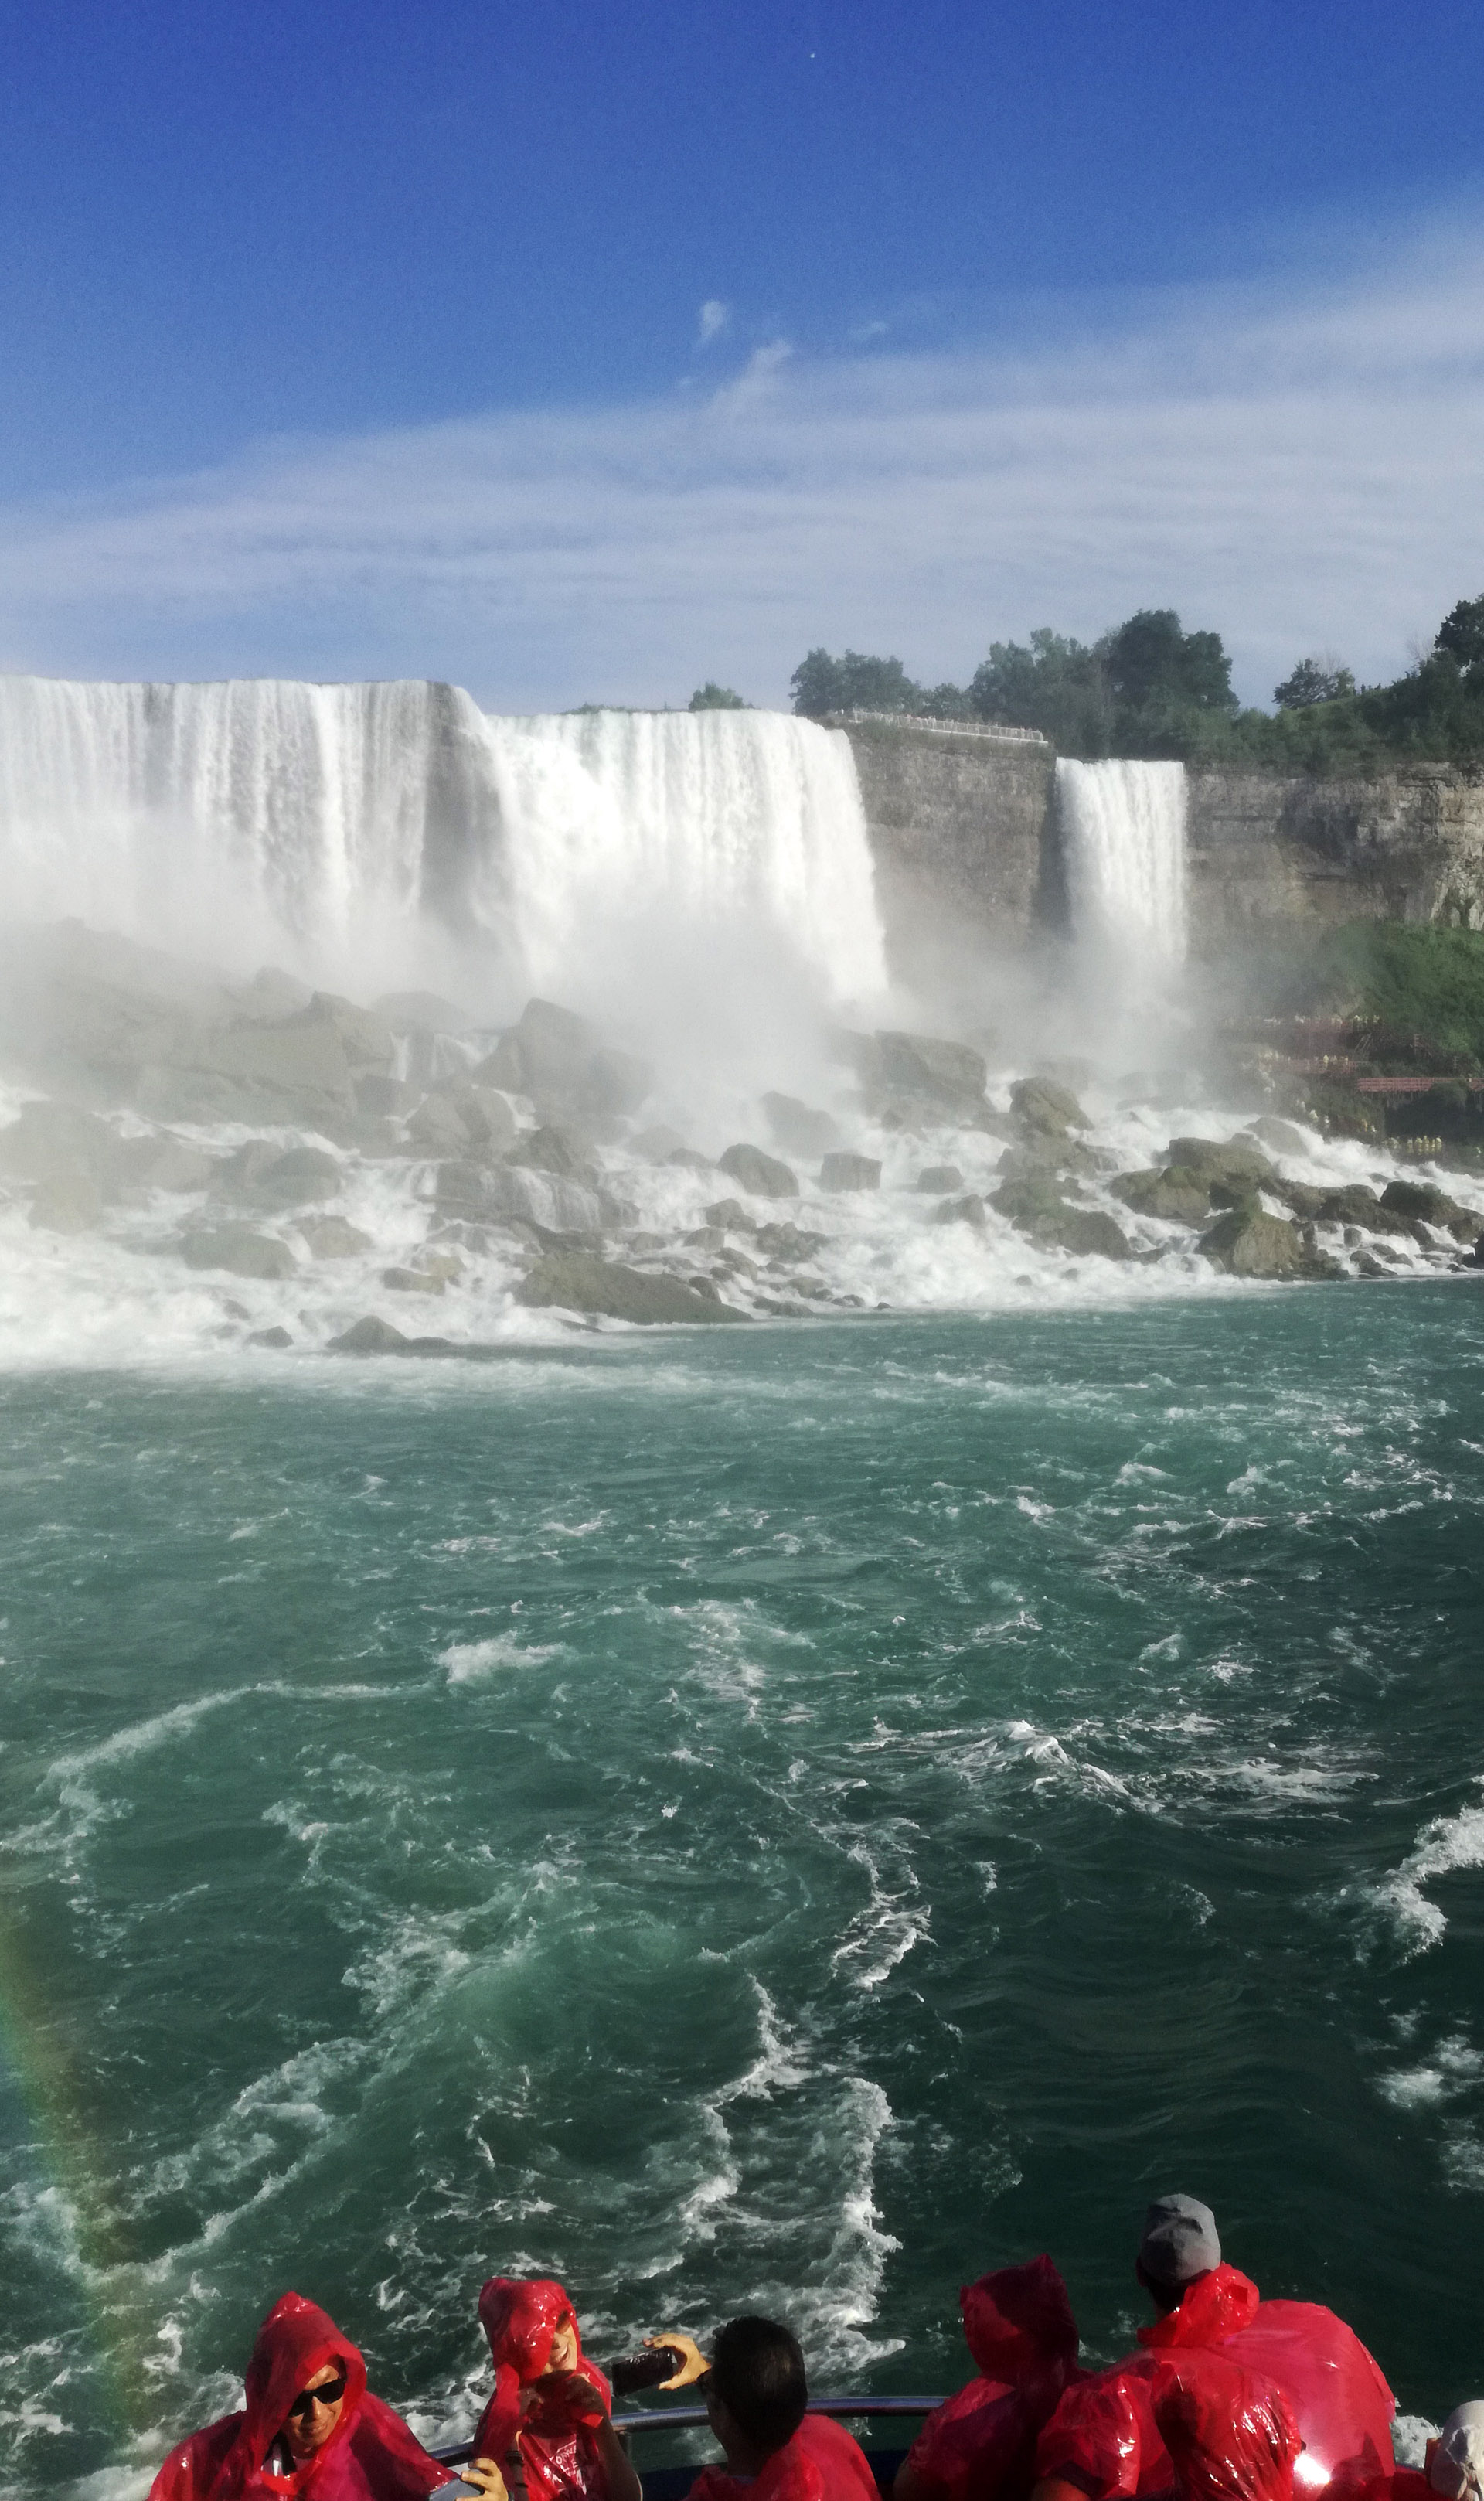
[(1181, 2240)]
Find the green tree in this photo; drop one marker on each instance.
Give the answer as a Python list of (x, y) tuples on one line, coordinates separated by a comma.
[(714, 698), (1053, 684), (1462, 636), (1166, 684), (1313, 681), (859, 681)]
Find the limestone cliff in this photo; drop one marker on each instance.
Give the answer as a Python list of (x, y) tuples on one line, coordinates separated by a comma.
[(962, 836), (967, 854)]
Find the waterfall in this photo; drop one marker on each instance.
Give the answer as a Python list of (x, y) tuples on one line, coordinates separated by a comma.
[(308, 813), (342, 825), (749, 821), (1123, 842)]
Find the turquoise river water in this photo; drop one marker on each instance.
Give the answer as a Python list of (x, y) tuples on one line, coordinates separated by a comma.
[(776, 1817)]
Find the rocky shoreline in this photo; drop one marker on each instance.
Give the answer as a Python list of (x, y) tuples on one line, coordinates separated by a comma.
[(363, 1163)]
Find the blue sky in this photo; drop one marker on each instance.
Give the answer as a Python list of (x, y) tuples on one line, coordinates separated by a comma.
[(574, 351)]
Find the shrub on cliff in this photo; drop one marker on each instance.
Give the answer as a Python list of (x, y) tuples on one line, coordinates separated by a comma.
[(1417, 986)]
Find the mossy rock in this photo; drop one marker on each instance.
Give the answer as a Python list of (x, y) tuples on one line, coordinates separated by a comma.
[(1179, 1195), (1246, 1243), (574, 1280), (1422, 1202), (1035, 1207), (1045, 1108), (1231, 1170)]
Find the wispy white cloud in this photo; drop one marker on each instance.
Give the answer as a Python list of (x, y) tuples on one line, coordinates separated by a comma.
[(1302, 473), (715, 316)]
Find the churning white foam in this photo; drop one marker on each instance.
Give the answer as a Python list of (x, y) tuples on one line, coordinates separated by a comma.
[(1449, 1843)]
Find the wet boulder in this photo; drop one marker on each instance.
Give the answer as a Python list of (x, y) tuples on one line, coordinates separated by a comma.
[(1036, 1209), (412, 1281), (575, 1281), (52, 1139), (789, 1241), (485, 1193), (1232, 1170), (1280, 1137), (943, 1076), (1043, 1109), (763, 1175), (938, 1177), (557, 1059), (730, 1215), (165, 1163), (1179, 1195), (364, 1039), (437, 1127), (656, 1145), (295, 1072), (967, 1210), (297, 1177), (1422, 1202), (796, 1128), (839, 1173), (373, 1336), (330, 1237), (385, 1098), (67, 1202), (239, 1251), (1246, 1243), (552, 1149)]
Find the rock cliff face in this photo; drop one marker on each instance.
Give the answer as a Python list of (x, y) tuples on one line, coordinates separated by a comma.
[(962, 836), (968, 852), (1409, 846)]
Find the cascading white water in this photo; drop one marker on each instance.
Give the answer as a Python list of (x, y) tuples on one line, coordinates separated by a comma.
[(1123, 842), (159, 809), (340, 824), (722, 820)]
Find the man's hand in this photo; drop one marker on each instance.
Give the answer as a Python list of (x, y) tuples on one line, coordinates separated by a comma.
[(486, 2475), (695, 2365)]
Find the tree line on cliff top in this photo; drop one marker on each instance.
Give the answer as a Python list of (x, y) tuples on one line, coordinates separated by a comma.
[(1149, 688)]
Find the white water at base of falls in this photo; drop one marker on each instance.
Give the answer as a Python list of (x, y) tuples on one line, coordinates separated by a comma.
[(373, 834), (741, 823), (1123, 843)]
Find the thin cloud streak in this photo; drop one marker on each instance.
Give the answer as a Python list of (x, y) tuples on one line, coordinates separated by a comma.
[(1303, 474)]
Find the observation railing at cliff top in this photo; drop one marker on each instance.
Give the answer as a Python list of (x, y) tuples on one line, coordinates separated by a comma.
[(1002, 729)]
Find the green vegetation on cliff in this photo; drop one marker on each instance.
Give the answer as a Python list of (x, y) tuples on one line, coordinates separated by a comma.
[(1416, 987), (1148, 687)]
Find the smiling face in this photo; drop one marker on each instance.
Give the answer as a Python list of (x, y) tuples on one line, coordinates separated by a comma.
[(315, 2411), (563, 2355)]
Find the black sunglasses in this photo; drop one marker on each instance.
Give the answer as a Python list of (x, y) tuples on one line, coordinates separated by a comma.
[(329, 2393)]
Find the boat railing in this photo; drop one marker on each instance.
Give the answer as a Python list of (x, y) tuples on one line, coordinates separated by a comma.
[(687, 2417)]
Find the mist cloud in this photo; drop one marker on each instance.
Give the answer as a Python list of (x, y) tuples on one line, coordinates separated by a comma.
[(1301, 472)]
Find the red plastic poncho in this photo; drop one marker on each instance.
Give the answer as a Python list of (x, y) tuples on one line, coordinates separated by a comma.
[(1022, 2334), (1340, 2401), (558, 2449), (370, 2455), (1103, 2435), (1231, 2435), (820, 2463)]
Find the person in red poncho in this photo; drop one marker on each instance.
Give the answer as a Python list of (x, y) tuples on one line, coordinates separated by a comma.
[(548, 2423), (981, 2445), (757, 2395), (310, 2427), (1229, 2435), (1102, 2440)]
